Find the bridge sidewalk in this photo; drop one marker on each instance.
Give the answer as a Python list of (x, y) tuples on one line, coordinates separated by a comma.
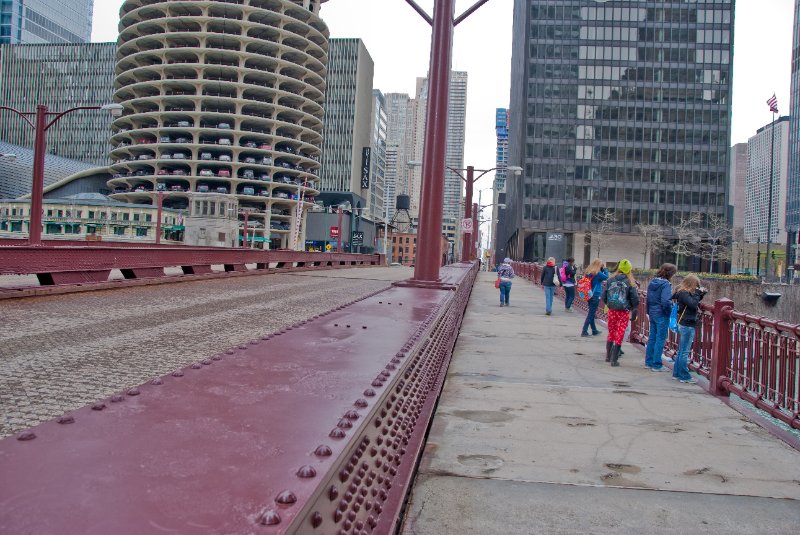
[(535, 433)]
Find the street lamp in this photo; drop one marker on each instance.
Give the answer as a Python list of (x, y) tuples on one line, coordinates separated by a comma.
[(470, 180), (40, 126)]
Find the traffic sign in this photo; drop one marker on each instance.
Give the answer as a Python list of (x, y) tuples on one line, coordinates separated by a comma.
[(357, 238), (466, 225), (334, 232), (328, 247)]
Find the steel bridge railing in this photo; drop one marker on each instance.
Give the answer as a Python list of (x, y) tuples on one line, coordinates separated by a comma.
[(755, 358)]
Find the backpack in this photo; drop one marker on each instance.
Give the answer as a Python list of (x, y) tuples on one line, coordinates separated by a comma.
[(562, 272), (584, 288), (617, 294)]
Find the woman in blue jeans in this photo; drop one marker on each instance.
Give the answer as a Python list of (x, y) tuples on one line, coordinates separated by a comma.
[(597, 272), (549, 276), (688, 296), (659, 307), (505, 273)]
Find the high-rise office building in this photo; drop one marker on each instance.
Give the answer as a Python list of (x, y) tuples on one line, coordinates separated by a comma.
[(793, 192), (376, 161), (453, 210), (60, 77), (501, 155), (399, 117), (768, 152), (348, 117), (222, 98), (620, 112), (46, 21), (738, 185)]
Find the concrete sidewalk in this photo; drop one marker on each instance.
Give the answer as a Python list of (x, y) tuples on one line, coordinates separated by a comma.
[(535, 433)]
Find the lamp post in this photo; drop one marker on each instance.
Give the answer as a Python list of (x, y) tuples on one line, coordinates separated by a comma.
[(41, 125)]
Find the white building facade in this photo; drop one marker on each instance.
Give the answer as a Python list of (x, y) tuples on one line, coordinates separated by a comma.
[(763, 158)]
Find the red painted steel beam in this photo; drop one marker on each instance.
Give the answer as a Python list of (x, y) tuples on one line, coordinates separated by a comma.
[(28, 260), (313, 429)]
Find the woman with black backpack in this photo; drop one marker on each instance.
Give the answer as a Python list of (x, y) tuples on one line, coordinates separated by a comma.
[(621, 296)]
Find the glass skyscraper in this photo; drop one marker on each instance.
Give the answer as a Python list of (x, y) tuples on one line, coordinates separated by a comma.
[(46, 21), (793, 187), (616, 107)]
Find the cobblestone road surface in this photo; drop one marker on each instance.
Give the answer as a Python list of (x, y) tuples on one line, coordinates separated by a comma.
[(59, 353)]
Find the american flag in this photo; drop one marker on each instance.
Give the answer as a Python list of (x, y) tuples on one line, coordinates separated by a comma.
[(773, 104)]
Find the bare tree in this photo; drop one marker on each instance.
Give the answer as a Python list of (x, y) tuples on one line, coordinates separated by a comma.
[(605, 223), (654, 240), (688, 236), (717, 242)]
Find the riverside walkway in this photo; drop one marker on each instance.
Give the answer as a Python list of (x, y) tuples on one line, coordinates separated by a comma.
[(535, 434)]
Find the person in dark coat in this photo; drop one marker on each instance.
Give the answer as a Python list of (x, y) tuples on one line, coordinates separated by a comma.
[(688, 296), (621, 296), (597, 273), (659, 307), (549, 277), (567, 276)]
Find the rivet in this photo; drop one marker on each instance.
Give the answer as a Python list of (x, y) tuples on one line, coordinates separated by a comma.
[(351, 516), (269, 518), (286, 497), (377, 383), (229, 351), (316, 519), (323, 451), (360, 524), (196, 366), (265, 337), (368, 505), (116, 398), (363, 326), (344, 423), (361, 403), (157, 381), (133, 392), (346, 525), (351, 415), (333, 493), (335, 324), (342, 506), (352, 489), (66, 419), (177, 373), (348, 325), (205, 362), (337, 433), (243, 346), (306, 471), (98, 406), (343, 475), (337, 515), (348, 497), (26, 435), (254, 342)]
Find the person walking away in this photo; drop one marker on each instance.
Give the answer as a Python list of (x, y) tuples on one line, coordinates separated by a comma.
[(549, 278), (621, 296), (505, 273), (688, 296), (659, 307), (567, 276), (598, 273)]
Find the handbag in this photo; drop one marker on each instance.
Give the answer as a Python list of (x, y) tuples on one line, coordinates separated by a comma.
[(497, 283), (674, 320), (556, 280)]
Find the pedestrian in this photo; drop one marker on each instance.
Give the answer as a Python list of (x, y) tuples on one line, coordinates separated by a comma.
[(549, 282), (597, 273), (621, 296), (659, 307), (505, 273), (567, 276), (688, 296)]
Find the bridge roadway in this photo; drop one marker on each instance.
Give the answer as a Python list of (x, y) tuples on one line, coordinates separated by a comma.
[(62, 352), (535, 434)]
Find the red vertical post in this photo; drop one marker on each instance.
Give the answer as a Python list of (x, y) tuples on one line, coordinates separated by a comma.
[(426, 267), (339, 237), (721, 347), (37, 186), (160, 202), (465, 238), (474, 242)]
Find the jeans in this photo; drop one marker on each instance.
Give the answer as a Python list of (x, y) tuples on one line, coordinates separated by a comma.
[(659, 329), (594, 302), (569, 292), (505, 290), (685, 338), (548, 298)]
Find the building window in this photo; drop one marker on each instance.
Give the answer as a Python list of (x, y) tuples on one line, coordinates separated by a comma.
[(141, 232), (119, 231)]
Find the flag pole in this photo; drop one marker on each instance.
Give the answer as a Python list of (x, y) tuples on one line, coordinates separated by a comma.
[(769, 206)]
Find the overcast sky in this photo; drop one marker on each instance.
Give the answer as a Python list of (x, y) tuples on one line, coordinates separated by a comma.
[(399, 42)]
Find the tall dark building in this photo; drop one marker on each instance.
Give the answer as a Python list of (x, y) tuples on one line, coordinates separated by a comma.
[(618, 109), (793, 186)]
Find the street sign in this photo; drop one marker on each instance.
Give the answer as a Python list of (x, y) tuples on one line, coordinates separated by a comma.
[(357, 238), (334, 232), (466, 225), (328, 247)]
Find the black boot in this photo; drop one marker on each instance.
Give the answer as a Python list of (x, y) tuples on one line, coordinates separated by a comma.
[(615, 355), (609, 345)]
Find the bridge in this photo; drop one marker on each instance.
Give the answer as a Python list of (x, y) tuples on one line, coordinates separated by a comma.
[(311, 393)]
